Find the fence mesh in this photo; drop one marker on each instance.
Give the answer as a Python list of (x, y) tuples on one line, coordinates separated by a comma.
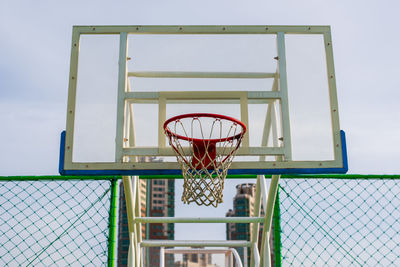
[(323, 222), (54, 223), (340, 222)]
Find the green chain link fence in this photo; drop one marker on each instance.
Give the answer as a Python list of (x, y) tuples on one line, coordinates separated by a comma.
[(46, 222), (342, 220), (352, 220)]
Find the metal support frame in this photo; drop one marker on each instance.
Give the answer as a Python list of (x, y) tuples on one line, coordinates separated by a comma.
[(126, 151), (258, 258)]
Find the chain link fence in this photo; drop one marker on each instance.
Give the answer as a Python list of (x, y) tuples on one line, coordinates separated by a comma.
[(351, 221), (46, 222), (346, 220)]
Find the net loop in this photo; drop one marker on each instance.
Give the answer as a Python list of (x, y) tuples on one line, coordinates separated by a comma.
[(205, 154)]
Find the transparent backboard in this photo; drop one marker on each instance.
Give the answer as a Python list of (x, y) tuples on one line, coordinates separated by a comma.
[(125, 81)]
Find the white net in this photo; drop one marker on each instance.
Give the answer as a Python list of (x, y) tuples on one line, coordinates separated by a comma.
[(205, 145)]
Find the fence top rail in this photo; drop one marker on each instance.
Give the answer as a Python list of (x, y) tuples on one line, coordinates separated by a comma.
[(300, 176), (56, 178)]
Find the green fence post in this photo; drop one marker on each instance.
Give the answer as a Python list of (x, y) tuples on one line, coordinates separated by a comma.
[(277, 231), (112, 230)]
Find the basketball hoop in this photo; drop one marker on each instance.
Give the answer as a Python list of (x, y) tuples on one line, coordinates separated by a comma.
[(205, 145)]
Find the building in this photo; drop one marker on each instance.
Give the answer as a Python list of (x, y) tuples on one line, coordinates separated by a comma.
[(195, 260), (157, 197), (162, 203), (123, 233), (243, 206)]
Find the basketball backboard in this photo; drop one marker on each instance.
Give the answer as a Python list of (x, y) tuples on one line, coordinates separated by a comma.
[(278, 80)]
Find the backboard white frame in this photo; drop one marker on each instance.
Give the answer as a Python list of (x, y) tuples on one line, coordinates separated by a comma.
[(125, 142)]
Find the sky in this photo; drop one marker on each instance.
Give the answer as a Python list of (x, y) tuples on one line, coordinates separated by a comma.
[(35, 51)]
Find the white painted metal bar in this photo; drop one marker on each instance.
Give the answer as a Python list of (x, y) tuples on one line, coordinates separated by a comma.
[(174, 165), (200, 101), (73, 77), (237, 257), (180, 96), (142, 256), (227, 260), (256, 255), (122, 86), (334, 106), (126, 140), (162, 257), (131, 254), (162, 117), (202, 29), (245, 258), (130, 197), (195, 243), (263, 186), (270, 120), (274, 125), (139, 258), (283, 88), (244, 117), (130, 190), (256, 226), (269, 208), (204, 94), (187, 74), (196, 251), (263, 94), (200, 220), (168, 151), (269, 203), (132, 132), (266, 250), (267, 128), (138, 225)]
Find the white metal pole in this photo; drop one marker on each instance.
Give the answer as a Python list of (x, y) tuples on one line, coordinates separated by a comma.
[(255, 226), (131, 122), (227, 260), (283, 88), (162, 256), (131, 253), (269, 204), (130, 188), (199, 220), (267, 251), (122, 86), (138, 226), (237, 257), (245, 261), (256, 256), (187, 74)]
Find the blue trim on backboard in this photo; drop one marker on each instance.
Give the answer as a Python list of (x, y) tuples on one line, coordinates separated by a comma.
[(344, 152), (343, 169), (62, 154)]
